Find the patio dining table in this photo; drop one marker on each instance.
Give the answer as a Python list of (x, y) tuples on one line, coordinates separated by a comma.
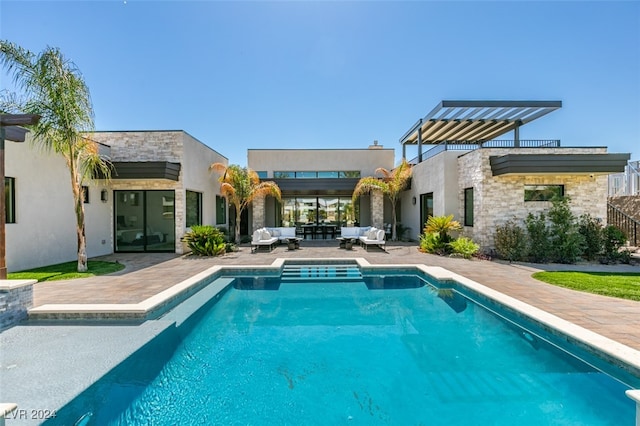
[(319, 230)]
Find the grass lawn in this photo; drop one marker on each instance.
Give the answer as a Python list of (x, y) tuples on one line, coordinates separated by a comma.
[(622, 285), (66, 271)]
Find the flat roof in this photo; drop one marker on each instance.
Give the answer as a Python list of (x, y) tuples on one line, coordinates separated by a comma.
[(475, 121)]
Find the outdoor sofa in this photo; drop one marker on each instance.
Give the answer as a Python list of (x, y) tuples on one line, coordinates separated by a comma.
[(269, 237), (373, 237)]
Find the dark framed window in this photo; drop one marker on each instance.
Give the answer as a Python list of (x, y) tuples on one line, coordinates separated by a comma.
[(328, 175), (85, 194), (468, 207), (543, 192), (262, 174), (194, 208), (426, 208), (221, 210), (306, 175), (284, 175), (10, 199)]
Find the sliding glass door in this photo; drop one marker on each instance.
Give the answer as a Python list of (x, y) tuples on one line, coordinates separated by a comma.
[(298, 211), (144, 221)]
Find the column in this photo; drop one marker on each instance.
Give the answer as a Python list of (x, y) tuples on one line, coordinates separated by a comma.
[(377, 209), (257, 206)]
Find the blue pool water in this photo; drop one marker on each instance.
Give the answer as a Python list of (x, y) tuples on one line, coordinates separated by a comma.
[(370, 351)]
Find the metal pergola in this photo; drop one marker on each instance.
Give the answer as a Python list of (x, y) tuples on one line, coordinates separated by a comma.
[(474, 122)]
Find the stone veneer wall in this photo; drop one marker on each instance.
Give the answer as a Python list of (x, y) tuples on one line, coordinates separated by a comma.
[(143, 146), (15, 301), (258, 217), (377, 209), (498, 199)]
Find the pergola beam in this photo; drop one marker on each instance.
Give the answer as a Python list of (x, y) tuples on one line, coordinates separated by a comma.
[(475, 115)]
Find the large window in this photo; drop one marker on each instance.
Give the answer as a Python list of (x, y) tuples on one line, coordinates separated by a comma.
[(318, 210), (543, 192), (194, 208), (468, 207), (316, 174), (221, 210), (10, 199), (144, 221)]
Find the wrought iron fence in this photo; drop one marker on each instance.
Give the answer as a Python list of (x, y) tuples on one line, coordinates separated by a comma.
[(625, 223)]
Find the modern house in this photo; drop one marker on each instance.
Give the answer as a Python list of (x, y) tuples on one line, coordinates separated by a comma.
[(160, 185)]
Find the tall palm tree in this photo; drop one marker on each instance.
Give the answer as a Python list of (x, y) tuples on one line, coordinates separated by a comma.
[(53, 87), (392, 183), (240, 186)]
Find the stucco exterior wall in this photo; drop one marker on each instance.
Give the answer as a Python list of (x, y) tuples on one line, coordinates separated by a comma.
[(196, 176), (45, 228), (498, 199), (364, 160), (438, 174)]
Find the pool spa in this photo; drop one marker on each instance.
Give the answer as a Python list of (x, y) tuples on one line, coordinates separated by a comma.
[(345, 342)]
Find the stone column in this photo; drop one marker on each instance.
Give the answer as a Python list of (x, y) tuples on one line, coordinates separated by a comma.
[(257, 210), (377, 209)]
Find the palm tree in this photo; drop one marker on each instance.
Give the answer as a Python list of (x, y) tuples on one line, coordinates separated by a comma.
[(391, 184), (240, 186), (54, 88)]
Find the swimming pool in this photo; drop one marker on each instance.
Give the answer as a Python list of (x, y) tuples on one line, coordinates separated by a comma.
[(327, 347)]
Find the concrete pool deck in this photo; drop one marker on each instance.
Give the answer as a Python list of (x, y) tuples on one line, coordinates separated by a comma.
[(43, 365)]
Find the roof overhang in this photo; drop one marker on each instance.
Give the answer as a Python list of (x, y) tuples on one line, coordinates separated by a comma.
[(320, 186), (575, 164), (145, 170), (11, 123), (475, 121)]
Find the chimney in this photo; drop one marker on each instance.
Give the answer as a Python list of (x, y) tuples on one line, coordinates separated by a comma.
[(375, 145)]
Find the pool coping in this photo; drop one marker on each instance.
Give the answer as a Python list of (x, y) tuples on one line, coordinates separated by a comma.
[(143, 310)]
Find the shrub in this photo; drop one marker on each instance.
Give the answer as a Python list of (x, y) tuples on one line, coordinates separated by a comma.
[(510, 241), (436, 238), (591, 230), (432, 243), (205, 240), (566, 241), (464, 247), (538, 236), (613, 239), (441, 226)]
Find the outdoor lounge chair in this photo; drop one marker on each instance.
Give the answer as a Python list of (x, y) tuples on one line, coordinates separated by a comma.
[(373, 237), (262, 238)]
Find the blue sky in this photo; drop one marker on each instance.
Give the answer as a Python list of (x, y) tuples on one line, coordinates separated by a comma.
[(331, 74)]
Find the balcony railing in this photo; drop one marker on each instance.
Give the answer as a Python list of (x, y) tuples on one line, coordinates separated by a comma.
[(498, 143)]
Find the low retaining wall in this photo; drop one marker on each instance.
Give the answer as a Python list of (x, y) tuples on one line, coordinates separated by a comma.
[(16, 298)]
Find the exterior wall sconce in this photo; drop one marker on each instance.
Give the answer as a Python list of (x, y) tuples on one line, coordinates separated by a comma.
[(413, 200), (104, 196)]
